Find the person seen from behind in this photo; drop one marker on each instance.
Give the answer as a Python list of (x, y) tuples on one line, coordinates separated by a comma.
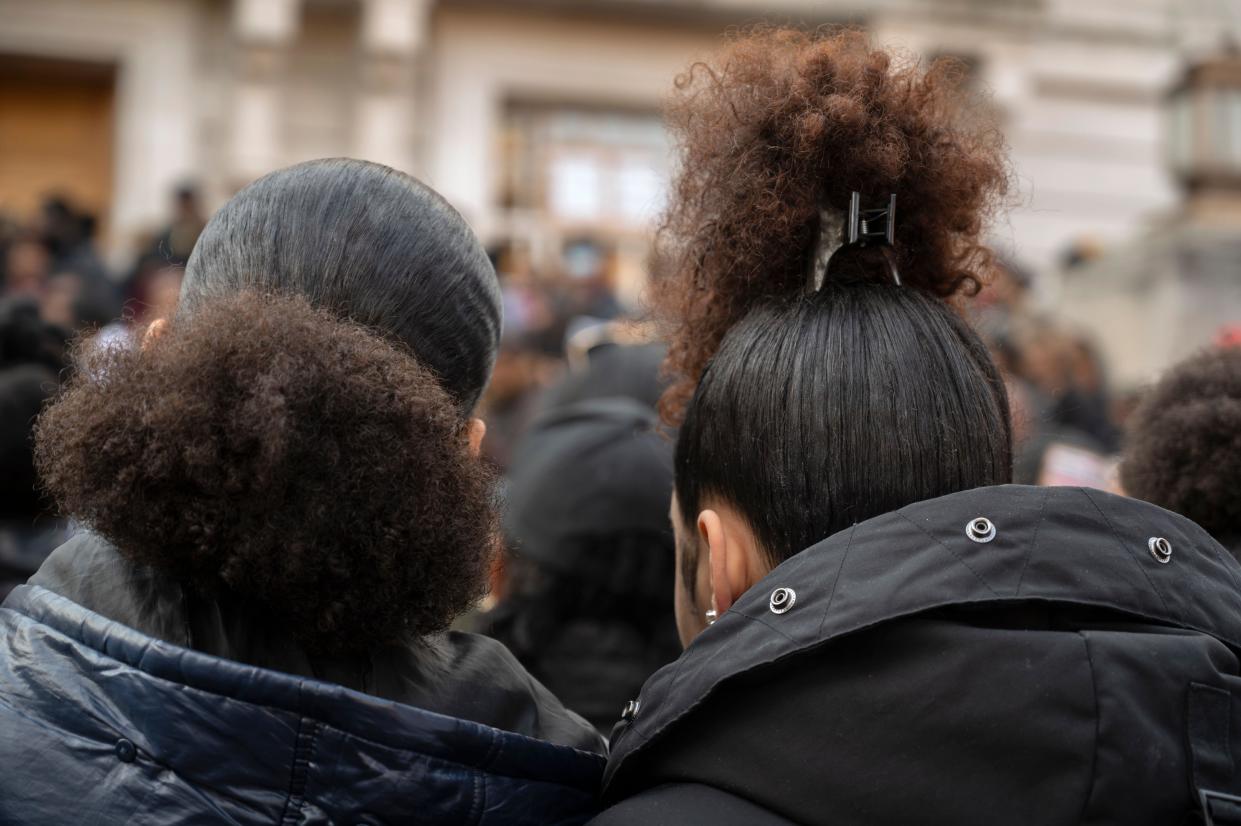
[(1183, 448), (879, 628), (586, 605), (286, 511)]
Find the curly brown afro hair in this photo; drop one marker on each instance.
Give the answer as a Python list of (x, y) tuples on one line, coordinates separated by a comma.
[(785, 124), (276, 454), (1183, 449)]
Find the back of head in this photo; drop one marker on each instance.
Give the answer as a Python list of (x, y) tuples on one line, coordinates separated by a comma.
[(589, 484), (266, 453), (588, 487), (814, 408), (370, 244), (630, 371), (588, 609), (1183, 450)]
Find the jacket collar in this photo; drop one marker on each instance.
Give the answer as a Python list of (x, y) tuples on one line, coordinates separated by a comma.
[(1058, 545), (74, 636)]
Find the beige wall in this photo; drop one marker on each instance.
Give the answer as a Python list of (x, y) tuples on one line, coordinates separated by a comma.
[(1080, 90), (478, 58), (1080, 84)]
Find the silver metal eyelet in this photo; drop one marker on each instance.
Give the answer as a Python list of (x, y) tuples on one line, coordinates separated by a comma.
[(1161, 549), (782, 599), (980, 529)]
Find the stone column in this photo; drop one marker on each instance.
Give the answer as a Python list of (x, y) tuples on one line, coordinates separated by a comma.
[(263, 31), (385, 127)]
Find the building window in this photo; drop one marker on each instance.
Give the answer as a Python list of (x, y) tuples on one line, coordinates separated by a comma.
[(581, 190), (584, 169)]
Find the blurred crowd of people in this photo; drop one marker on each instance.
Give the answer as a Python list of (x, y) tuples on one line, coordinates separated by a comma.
[(1067, 421), (54, 286), (54, 262)]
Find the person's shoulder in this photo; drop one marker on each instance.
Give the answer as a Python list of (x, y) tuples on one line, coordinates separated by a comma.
[(490, 660), (75, 567), (91, 572)]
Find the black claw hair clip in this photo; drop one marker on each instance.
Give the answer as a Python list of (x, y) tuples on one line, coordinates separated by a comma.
[(874, 227)]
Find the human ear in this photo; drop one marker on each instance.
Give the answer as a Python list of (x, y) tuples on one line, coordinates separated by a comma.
[(726, 559), (477, 430), (154, 330)]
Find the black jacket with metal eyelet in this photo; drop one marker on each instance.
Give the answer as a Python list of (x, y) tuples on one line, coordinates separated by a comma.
[(1066, 671)]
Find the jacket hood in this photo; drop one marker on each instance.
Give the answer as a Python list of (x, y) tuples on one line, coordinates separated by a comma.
[(126, 728), (1066, 547), (451, 673)]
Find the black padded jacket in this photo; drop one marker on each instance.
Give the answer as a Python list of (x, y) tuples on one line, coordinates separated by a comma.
[(1072, 659)]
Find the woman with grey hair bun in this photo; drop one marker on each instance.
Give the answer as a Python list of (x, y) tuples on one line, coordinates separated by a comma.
[(286, 510)]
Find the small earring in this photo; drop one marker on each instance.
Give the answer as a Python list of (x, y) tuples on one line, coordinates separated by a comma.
[(712, 616)]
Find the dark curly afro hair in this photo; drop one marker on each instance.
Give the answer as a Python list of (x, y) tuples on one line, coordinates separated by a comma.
[(1183, 449), (787, 123), (276, 454)]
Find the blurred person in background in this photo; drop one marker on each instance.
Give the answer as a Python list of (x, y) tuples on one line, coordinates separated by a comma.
[(163, 290), (285, 510), (69, 301), (1061, 409), (589, 267), (544, 315), (1086, 405), (1183, 448), (1063, 428), (527, 309), (524, 369), (55, 263), (531, 356), (31, 361), (69, 234), (586, 605), (611, 360), (175, 242), (27, 265), (879, 629)]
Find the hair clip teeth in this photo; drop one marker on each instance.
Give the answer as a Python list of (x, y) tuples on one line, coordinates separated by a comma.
[(871, 226)]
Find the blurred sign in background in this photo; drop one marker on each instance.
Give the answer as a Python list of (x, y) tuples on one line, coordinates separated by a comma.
[(540, 120)]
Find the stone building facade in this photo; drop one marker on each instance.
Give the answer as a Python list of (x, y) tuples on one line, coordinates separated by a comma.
[(539, 119)]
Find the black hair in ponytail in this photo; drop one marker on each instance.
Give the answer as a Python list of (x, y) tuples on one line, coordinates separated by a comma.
[(809, 411), (841, 406)]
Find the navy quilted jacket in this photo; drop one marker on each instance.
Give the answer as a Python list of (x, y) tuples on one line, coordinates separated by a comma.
[(101, 724)]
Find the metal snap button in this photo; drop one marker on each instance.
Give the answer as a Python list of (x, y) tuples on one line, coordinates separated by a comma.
[(126, 751), (782, 599), (980, 530), (1161, 549), (631, 709)]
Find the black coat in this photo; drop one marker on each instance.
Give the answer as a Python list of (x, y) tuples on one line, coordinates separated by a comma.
[(1057, 674)]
